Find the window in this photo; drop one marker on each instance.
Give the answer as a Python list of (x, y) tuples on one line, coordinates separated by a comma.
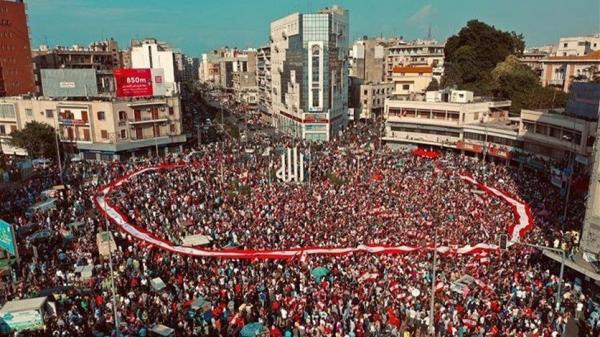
[(104, 134), (101, 115), (172, 128), (171, 111), (2, 130), (49, 113), (29, 112), (122, 115), (7, 111), (405, 86), (565, 45), (123, 134)]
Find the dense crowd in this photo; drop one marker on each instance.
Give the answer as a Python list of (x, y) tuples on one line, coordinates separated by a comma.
[(233, 196)]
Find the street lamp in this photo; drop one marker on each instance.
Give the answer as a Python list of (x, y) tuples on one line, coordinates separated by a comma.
[(432, 300), (112, 281)]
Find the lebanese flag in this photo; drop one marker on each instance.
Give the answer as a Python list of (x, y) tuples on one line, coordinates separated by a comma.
[(371, 277), (484, 258), (393, 320), (394, 287), (469, 323)]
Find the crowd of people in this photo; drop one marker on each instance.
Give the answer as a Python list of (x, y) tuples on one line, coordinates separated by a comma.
[(356, 193)]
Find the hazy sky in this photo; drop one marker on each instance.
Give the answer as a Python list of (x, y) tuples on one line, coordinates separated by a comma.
[(196, 26)]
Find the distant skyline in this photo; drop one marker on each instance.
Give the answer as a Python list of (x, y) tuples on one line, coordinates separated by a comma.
[(196, 27)]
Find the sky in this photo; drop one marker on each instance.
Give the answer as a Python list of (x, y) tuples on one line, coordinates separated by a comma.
[(197, 26)]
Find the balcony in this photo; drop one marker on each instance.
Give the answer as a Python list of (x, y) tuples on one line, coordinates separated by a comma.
[(145, 120), (556, 82)]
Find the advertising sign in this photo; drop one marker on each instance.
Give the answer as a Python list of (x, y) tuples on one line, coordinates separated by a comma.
[(7, 238), (69, 82), (133, 82), (140, 82), (24, 320)]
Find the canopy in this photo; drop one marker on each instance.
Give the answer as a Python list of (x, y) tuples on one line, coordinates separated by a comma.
[(252, 329), (24, 314), (319, 272), (430, 154)]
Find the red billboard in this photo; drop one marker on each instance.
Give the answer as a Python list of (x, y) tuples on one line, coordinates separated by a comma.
[(133, 82)]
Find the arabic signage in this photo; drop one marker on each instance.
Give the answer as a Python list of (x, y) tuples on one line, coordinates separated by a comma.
[(139, 82), (7, 241)]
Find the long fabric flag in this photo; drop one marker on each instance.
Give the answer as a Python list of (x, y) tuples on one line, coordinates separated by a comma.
[(522, 212)]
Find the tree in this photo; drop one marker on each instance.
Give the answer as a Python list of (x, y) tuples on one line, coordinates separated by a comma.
[(474, 52), (38, 139), (433, 85), (517, 82)]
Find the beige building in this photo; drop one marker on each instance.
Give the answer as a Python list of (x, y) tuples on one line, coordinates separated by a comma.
[(369, 99), (410, 80), (553, 135), (100, 129), (245, 87), (451, 121), (562, 71), (417, 53)]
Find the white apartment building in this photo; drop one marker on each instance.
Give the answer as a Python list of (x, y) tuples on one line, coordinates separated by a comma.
[(417, 53), (150, 53), (99, 129), (578, 45), (309, 73)]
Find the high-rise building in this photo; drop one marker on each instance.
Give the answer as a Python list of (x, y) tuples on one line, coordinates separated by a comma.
[(15, 55), (309, 71)]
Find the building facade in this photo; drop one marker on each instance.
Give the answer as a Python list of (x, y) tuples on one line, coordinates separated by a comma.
[(16, 70), (412, 79), (452, 120), (578, 45), (309, 71), (590, 238), (101, 56), (367, 60), (417, 53), (263, 81), (368, 100), (151, 53), (100, 129), (561, 71)]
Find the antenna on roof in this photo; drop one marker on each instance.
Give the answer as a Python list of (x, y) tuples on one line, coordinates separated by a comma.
[(429, 33)]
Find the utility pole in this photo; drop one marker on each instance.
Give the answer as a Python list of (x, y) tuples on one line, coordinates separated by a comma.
[(562, 266), (432, 300), (112, 281), (60, 170)]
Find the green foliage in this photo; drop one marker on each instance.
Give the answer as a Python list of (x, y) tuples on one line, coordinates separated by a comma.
[(38, 139), (516, 81), (471, 55), (433, 85)]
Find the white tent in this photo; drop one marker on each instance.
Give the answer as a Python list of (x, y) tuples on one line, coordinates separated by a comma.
[(24, 314)]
